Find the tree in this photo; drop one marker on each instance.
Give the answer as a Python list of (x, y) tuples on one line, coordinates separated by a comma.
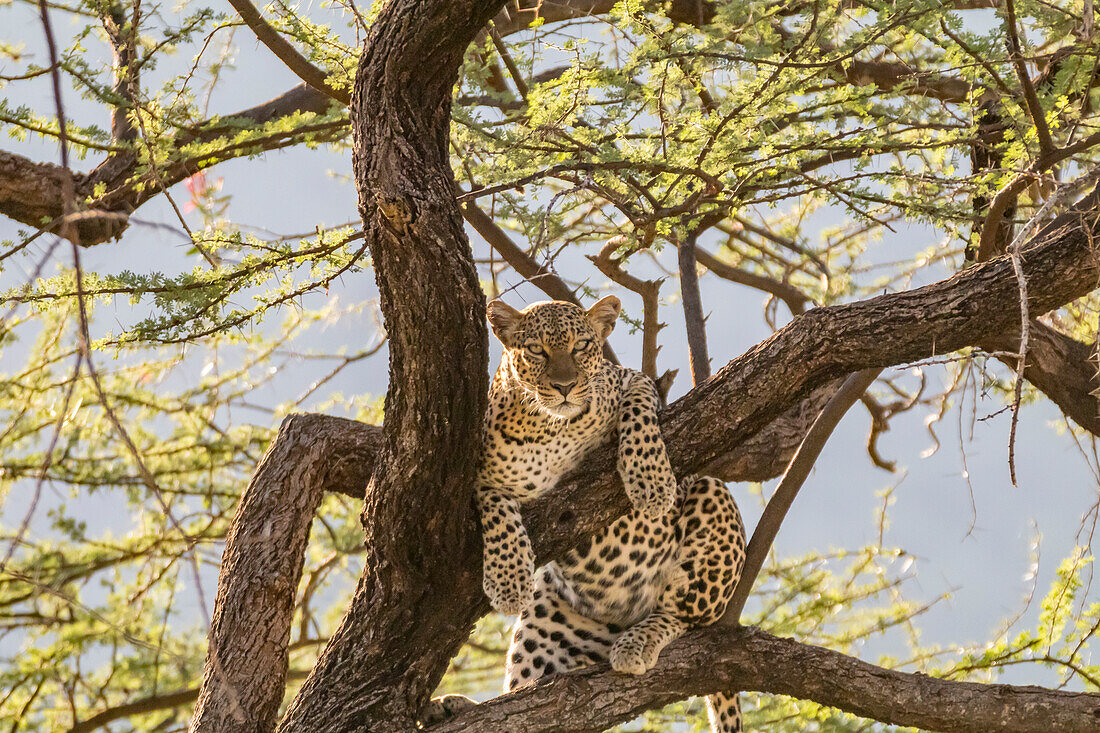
[(685, 126)]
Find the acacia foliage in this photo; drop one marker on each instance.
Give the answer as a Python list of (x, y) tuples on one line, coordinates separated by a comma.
[(612, 137)]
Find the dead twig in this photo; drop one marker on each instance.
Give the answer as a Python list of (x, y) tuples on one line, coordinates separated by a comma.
[(1014, 253), (694, 320), (649, 290)]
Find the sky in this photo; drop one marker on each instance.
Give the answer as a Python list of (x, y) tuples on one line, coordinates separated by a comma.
[(968, 530)]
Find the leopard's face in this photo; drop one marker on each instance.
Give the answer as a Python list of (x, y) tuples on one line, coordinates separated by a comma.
[(553, 350)]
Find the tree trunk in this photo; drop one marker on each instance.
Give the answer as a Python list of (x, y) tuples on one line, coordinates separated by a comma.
[(418, 597)]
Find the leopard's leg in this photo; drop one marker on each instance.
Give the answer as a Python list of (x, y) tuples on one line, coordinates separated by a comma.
[(643, 460), (636, 651), (508, 562), (551, 637), (724, 713), (711, 556), (711, 552)]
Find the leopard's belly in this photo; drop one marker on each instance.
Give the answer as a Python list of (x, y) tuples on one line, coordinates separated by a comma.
[(618, 577)]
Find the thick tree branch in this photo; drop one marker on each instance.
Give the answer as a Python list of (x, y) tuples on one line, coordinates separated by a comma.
[(716, 659), (33, 193), (420, 592), (1059, 366), (246, 663)]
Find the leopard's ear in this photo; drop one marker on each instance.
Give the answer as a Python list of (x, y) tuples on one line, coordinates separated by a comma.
[(602, 315), (505, 321)]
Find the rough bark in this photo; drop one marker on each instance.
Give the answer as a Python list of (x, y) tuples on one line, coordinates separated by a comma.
[(1059, 366), (244, 679), (409, 615), (713, 660)]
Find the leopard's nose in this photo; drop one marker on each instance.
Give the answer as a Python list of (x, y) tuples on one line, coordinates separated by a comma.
[(564, 387)]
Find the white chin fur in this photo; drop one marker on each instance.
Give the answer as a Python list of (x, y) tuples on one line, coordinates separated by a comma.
[(564, 410)]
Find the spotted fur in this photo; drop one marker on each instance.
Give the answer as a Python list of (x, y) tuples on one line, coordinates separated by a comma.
[(670, 564), (553, 399), (628, 593), (635, 588)]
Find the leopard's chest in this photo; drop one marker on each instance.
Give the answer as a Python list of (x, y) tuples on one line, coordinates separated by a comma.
[(530, 456)]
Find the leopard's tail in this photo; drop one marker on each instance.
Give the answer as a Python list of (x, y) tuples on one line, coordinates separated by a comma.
[(724, 711)]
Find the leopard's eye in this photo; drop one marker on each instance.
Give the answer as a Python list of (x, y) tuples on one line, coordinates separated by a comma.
[(581, 345), (535, 350)]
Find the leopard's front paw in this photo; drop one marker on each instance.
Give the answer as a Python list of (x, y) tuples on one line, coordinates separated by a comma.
[(510, 589), (443, 708), (631, 655), (652, 491)]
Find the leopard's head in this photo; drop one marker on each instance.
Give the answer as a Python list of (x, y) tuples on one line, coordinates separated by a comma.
[(554, 348)]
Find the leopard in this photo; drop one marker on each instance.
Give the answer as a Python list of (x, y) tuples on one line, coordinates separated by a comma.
[(554, 399), (668, 565)]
